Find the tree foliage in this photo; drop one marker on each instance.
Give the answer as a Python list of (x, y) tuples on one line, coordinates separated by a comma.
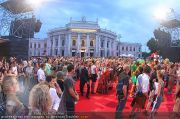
[(152, 45)]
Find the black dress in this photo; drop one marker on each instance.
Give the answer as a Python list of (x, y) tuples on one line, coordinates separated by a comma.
[(61, 84)]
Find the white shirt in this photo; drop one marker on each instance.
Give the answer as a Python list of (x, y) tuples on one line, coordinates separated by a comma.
[(55, 99), (93, 69), (156, 87), (29, 70), (41, 75), (143, 82), (14, 70)]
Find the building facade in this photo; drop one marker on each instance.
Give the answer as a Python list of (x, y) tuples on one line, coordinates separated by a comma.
[(82, 38)]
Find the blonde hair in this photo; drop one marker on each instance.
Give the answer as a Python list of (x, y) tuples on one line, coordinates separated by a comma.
[(39, 98), (8, 82), (160, 73)]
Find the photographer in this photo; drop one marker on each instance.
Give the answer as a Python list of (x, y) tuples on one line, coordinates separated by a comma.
[(122, 88)]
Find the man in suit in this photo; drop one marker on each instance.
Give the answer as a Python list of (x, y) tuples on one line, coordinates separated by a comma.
[(84, 79)]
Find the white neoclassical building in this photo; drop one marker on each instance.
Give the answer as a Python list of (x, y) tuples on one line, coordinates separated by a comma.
[(82, 38)]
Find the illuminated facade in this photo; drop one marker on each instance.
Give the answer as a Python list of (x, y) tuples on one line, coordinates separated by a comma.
[(79, 38)]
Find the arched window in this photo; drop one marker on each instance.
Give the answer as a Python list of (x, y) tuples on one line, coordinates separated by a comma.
[(83, 43), (108, 44), (122, 48), (134, 49), (63, 42), (102, 44), (74, 42), (127, 48), (91, 43), (39, 46), (56, 42)]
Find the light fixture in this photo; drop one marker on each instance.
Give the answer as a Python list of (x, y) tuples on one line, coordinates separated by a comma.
[(34, 3), (161, 13)]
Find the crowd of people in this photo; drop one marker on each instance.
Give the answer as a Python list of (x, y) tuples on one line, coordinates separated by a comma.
[(51, 83)]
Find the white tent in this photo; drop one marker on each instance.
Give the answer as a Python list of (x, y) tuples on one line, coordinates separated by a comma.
[(130, 55), (123, 55)]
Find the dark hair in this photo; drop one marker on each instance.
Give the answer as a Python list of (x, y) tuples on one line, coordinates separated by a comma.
[(70, 67), (140, 69), (147, 69), (49, 78), (42, 65)]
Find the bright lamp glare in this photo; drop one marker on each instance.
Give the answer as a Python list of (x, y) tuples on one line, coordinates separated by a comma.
[(34, 3), (161, 13)]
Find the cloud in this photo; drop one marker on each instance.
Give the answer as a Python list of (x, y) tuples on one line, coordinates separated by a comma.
[(133, 19)]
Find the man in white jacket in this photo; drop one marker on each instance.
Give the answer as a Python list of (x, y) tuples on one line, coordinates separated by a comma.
[(54, 91)]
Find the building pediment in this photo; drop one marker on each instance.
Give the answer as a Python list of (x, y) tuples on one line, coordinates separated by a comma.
[(83, 25)]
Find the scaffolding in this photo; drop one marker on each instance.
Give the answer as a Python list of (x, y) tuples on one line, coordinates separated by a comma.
[(172, 26), (11, 12)]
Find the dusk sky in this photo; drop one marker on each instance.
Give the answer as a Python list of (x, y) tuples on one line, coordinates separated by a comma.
[(133, 19)]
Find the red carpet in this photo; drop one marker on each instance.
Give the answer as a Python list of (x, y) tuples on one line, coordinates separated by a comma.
[(108, 102)]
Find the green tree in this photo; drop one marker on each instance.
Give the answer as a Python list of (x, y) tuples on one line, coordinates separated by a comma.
[(152, 45)]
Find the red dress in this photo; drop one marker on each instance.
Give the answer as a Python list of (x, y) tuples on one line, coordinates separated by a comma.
[(103, 82)]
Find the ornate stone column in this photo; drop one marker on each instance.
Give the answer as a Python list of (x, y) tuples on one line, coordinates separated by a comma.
[(78, 43), (59, 45), (110, 48), (53, 47), (105, 46), (87, 44), (97, 48), (69, 45)]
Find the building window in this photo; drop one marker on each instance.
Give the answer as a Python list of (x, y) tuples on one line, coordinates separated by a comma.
[(74, 42), (56, 42), (117, 47), (51, 43), (126, 48), (45, 45), (102, 53), (134, 49), (139, 49), (51, 52), (83, 43), (102, 44), (35, 45), (62, 52), (56, 52), (31, 45), (139, 55), (122, 48), (108, 44), (39, 46), (130, 48), (91, 43), (63, 42), (39, 53)]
